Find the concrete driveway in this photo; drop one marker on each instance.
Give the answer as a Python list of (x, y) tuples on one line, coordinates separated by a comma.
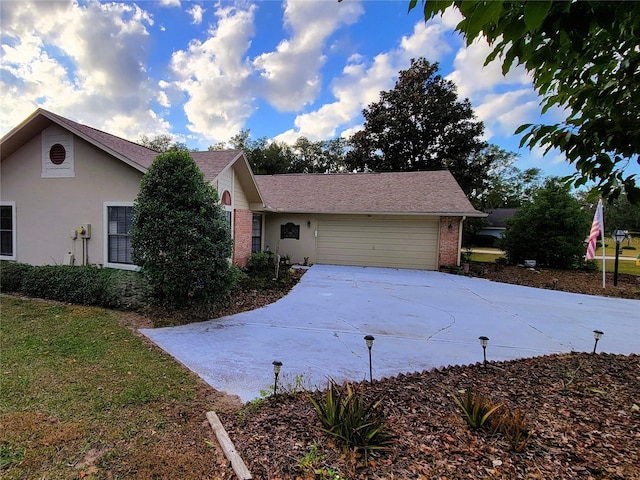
[(420, 320)]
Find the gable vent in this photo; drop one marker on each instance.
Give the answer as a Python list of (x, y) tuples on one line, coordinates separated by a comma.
[(57, 154)]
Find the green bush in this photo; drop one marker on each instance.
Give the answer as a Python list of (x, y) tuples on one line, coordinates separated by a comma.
[(180, 236), (79, 285), (628, 247), (83, 285), (127, 290), (550, 229), (261, 263), (588, 265), (12, 275)]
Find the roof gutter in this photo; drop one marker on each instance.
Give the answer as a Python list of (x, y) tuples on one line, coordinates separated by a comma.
[(269, 209)]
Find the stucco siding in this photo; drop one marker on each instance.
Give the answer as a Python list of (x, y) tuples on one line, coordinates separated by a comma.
[(296, 249), (49, 209)]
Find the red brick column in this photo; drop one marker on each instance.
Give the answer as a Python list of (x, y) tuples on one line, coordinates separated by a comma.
[(449, 235), (242, 226)]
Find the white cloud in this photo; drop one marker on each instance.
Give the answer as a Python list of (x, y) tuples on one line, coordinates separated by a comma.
[(214, 76), (196, 13), (290, 76), (503, 113), (421, 43), (86, 59), (170, 3), (163, 99), (473, 78), (361, 85)]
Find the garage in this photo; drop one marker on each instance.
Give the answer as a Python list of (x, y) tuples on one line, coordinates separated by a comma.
[(378, 241)]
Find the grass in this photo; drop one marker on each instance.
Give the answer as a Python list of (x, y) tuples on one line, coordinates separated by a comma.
[(624, 266), (84, 397)]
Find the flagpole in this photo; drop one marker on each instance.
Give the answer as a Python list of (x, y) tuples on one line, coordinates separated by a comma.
[(604, 270), (604, 253)]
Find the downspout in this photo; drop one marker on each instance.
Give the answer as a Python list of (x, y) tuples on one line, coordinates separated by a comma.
[(462, 219)]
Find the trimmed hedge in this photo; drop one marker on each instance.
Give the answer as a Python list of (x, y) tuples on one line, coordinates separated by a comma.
[(12, 275), (83, 285)]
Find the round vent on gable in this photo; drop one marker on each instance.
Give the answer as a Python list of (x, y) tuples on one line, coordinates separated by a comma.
[(57, 154)]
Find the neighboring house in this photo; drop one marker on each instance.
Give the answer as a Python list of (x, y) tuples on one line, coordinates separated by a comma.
[(495, 225), (67, 192)]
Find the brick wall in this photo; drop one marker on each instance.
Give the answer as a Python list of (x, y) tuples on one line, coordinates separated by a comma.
[(242, 226), (449, 241)]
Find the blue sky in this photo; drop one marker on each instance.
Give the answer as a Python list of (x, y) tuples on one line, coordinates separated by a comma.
[(201, 71)]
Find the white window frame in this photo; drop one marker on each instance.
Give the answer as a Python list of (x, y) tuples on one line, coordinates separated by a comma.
[(13, 255), (121, 266)]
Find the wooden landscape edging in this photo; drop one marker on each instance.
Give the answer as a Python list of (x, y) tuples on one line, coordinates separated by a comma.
[(242, 472)]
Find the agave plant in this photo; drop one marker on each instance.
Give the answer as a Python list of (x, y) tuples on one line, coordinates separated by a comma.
[(475, 408), (347, 415)]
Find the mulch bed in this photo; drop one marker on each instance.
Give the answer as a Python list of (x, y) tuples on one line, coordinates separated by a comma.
[(589, 283), (582, 409)]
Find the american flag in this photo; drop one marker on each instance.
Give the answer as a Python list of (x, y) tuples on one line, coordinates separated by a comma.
[(597, 229)]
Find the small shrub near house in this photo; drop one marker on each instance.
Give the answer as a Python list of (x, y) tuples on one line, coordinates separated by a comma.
[(12, 275), (82, 285)]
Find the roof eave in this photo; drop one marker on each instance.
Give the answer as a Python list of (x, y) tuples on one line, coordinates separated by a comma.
[(246, 177), (43, 113), (268, 209)]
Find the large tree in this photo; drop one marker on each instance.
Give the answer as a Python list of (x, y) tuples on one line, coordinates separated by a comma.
[(324, 156), (421, 125), (507, 186), (304, 156), (161, 143), (180, 237), (584, 58), (550, 229)]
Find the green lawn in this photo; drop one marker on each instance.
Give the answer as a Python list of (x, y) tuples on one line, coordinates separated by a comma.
[(624, 266), (82, 395)]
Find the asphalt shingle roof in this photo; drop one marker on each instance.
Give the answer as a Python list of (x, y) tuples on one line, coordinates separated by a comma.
[(434, 192)]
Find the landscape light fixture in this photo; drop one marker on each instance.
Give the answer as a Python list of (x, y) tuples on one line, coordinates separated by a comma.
[(369, 339), (276, 372), (484, 341), (597, 334), (618, 236)]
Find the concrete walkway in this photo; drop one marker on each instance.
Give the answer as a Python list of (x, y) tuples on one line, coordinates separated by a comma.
[(420, 320)]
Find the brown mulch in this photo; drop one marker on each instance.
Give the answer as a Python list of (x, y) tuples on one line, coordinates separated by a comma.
[(583, 412), (589, 283)]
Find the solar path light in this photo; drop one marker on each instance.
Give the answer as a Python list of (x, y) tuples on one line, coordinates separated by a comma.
[(276, 372), (597, 334), (369, 339), (484, 341)]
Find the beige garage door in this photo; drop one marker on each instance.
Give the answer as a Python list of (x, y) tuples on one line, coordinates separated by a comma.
[(383, 241)]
